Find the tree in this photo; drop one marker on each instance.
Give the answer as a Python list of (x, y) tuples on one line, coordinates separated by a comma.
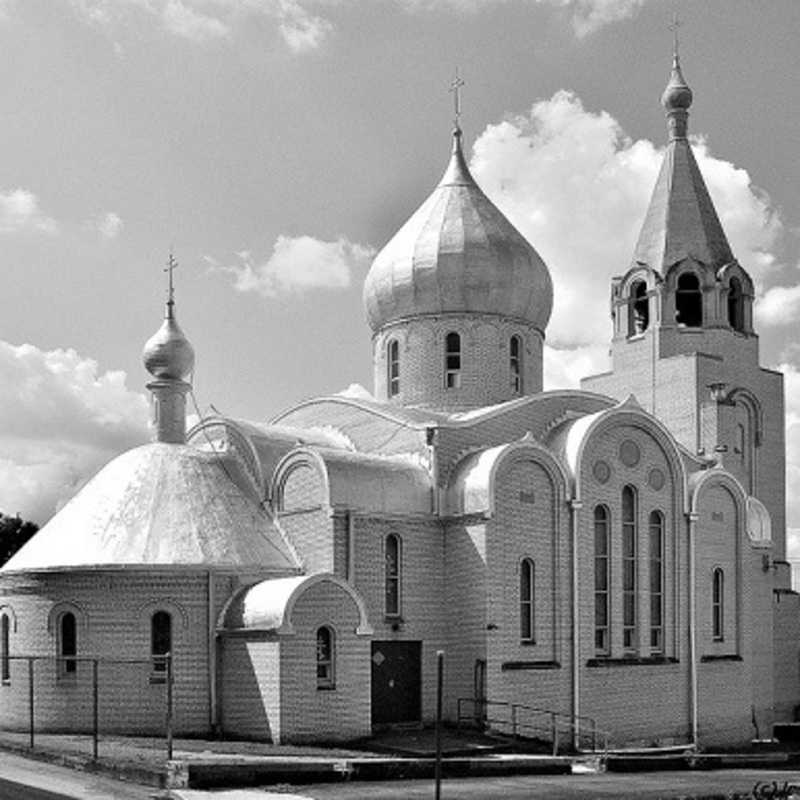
[(14, 532)]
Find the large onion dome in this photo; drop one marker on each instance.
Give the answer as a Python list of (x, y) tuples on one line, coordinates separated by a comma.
[(168, 354), (458, 254)]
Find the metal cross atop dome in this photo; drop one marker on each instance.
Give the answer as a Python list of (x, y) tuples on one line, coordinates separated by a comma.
[(676, 23), (455, 88), (172, 265)]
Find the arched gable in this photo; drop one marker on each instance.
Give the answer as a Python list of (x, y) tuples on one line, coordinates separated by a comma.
[(628, 413), (472, 486), (222, 432), (268, 605), (293, 467), (718, 477)]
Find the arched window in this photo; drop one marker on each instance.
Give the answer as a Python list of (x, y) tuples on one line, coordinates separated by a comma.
[(67, 643), (452, 361), (527, 607), (656, 582), (717, 605), (735, 305), (392, 576), (515, 363), (638, 309), (689, 301), (5, 655), (629, 568), (602, 641), (160, 640), (393, 367), (326, 658)]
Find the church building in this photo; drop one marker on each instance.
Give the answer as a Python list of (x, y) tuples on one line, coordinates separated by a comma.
[(610, 559)]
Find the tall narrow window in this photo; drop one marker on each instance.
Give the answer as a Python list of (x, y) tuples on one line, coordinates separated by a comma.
[(160, 640), (515, 363), (326, 658), (735, 305), (601, 580), (717, 605), (67, 644), (5, 655), (452, 361), (392, 577), (527, 607), (638, 309), (393, 365), (656, 582), (629, 568), (689, 301)]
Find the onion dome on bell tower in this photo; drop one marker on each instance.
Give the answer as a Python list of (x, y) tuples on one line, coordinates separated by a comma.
[(169, 357), (458, 301)]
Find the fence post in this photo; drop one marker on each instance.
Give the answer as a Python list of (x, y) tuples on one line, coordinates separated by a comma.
[(169, 706), (30, 697), (95, 710), (439, 688)]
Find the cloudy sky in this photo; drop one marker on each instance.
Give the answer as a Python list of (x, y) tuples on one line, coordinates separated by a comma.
[(275, 145)]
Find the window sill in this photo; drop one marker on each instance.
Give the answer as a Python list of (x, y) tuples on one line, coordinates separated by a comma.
[(724, 657), (511, 666), (630, 661), (331, 688), (5, 682), (157, 679), (527, 643)]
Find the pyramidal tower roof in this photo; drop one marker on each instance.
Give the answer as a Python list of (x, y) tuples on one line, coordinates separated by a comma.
[(681, 221)]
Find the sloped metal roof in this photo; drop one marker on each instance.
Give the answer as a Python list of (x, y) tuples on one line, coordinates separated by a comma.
[(161, 504)]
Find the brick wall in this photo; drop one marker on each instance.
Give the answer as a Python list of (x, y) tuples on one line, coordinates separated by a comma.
[(485, 369)]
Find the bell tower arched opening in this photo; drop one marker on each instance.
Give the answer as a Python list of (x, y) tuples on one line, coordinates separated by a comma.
[(689, 301)]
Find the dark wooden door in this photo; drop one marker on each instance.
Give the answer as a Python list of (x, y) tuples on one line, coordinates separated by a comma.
[(396, 682)]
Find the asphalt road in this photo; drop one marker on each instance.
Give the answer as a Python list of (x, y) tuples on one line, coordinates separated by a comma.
[(641, 786)]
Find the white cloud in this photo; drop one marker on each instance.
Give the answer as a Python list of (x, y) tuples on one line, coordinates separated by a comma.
[(577, 186), (20, 212), (298, 264), (109, 225), (791, 376), (301, 30), (588, 16), (779, 305), (61, 418), (183, 21), (564, 367)]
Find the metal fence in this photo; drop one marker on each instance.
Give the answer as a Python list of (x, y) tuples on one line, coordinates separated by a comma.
[(564, 732), (83, 695)]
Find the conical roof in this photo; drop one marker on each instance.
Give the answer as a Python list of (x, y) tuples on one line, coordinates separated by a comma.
[(458, 254), (160, 505), (681, 221)]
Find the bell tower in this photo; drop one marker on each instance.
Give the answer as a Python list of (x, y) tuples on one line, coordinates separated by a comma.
[(683, 340)]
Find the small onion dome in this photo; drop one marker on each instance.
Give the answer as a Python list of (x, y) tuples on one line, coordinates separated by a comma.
[(168, 353), (458, 254), (677, 95)]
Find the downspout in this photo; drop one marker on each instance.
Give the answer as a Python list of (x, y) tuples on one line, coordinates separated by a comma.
[(692, 517), (351, 548), (212, 652), (574, 508)]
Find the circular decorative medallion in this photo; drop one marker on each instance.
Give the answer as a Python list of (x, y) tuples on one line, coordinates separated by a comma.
[(601, 471), (629, 453), (656, 479)]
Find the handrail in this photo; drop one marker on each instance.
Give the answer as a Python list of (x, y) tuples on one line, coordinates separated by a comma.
[(557, 722)]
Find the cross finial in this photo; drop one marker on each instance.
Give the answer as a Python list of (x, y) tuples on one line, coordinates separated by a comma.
[(676, 23), (455, 88), (172, 265)]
